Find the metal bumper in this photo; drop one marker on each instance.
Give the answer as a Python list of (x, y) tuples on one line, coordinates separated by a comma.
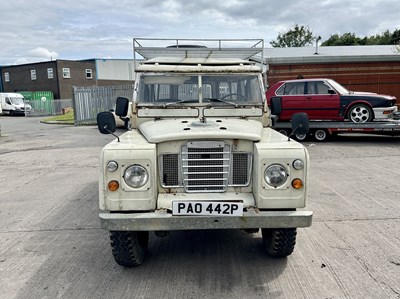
[(163, 221)]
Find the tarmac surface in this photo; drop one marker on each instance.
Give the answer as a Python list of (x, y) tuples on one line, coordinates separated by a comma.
[(51, 244)]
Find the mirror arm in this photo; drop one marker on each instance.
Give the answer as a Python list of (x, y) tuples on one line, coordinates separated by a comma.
[(105, 128), (300, 125)]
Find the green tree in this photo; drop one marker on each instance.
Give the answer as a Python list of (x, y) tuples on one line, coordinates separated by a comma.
[(299, 36), (395, 39), (347, 39), (350, 39)]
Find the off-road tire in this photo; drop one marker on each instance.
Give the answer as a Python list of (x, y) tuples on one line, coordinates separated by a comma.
[(279, 242), (128, 247)]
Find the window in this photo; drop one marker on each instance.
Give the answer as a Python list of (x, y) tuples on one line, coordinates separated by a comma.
[(89, 74), (50, 73), (33, 74), (292, 88), (66, 72), (317, 87), (7, 77)]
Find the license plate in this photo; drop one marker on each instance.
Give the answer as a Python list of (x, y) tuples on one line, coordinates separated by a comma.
[(207, 208)]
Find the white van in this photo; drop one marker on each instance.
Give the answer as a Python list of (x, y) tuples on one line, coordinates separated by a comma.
[(13, 104)]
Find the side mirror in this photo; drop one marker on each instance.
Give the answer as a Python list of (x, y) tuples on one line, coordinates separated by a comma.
[(106, 122), (121, 108), (300, 123), (331, 91), (276, 105)]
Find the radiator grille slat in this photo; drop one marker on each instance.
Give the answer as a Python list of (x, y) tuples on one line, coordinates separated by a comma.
[(205, 166)]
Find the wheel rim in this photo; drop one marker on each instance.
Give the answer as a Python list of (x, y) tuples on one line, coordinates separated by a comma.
[(360, 114), (320, 135), (301, 137)]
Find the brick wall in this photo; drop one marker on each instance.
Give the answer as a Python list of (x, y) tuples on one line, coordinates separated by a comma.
[(77, 76), (20, 78), (379, 77)]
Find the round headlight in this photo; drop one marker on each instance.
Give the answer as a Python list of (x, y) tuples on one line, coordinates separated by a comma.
[(275, 175), (136, 176), (112, 166), (298, 164)]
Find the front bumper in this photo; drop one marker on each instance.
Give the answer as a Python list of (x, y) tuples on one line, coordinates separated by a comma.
[(384, 112), (163, 221)]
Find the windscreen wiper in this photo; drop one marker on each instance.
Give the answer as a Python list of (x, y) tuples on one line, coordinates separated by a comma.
[(181, 102), (222, 101), (196, 101)]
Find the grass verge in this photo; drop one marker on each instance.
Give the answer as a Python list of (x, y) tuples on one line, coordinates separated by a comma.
[(67, 118)]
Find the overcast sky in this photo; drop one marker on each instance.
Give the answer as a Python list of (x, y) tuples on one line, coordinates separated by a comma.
[(41, 30)]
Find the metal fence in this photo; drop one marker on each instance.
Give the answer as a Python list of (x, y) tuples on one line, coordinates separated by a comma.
[(89, 101), (47, 107)]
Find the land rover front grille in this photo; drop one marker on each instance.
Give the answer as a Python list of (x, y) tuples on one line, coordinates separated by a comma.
[(205, 166)]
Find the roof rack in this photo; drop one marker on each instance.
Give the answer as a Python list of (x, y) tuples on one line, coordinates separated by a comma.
[(245, 49)]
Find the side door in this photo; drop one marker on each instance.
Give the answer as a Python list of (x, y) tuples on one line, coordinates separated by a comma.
[(322, 101), (8, 105), (292, 94)]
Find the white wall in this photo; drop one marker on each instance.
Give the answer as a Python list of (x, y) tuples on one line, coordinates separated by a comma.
[(115, 69)]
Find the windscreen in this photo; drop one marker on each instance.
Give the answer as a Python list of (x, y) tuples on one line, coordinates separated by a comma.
[(338, 87), (208, 89), (17, 101)]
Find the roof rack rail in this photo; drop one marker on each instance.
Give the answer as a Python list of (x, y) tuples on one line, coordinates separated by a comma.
[(246, 49)]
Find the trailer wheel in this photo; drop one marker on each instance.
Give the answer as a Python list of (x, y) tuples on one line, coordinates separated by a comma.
[(321, 135), (279, 242), (360, 113), (283, 132), (300, 137), (128, 247)]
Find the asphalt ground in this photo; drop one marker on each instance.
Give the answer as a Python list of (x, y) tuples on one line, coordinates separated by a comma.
[(51, 244)]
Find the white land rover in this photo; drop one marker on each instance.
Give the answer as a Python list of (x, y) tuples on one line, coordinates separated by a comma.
[(200, 153)]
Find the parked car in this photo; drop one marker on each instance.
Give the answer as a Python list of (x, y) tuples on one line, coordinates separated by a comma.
[(325, 99)]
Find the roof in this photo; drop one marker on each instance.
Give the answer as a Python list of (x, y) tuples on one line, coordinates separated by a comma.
[(306, 80), (47, 62), (332, 54)]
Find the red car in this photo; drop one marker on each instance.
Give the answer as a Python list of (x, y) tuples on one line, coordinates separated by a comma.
[(325, 99)]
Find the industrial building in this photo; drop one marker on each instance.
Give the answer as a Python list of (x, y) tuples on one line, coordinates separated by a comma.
[(59, 76)]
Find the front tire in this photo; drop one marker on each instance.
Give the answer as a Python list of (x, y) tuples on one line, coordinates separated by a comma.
[(279, 242), (129, 247), (360, 113)]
